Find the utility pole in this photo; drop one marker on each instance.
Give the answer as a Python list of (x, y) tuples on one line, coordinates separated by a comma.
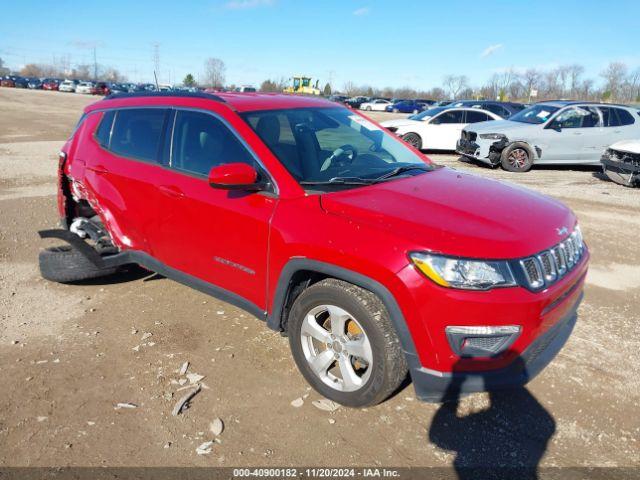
[(156, 58), (95, 65)]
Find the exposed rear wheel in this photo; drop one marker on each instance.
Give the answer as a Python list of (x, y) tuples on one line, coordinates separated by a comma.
[(413, 139), (517, 157), (65, 264), (344, 344)]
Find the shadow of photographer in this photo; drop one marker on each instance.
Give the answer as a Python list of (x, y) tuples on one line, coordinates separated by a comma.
[(505, 440)]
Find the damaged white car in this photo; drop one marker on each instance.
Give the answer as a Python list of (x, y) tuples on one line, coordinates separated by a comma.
[(621, 163), (559, 132)]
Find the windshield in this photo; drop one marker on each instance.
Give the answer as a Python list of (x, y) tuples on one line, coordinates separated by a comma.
[(427, 113), (535, 114), (333, 146)]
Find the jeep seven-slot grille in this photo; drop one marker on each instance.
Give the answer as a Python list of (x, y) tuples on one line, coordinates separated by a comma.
[(551, 265)]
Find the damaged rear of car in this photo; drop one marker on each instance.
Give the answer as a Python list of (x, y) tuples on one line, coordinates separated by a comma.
[(621, 163)]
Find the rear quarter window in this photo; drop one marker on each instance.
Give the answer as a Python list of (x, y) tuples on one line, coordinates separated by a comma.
[(103, 132), (625, 117), (137, 133)]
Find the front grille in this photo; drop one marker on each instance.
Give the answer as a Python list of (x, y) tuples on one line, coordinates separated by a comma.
[(469, 136), (625, 157), (551, 265)]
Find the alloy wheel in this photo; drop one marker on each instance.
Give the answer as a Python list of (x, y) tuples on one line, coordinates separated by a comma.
[(518, 158), (336, 347)]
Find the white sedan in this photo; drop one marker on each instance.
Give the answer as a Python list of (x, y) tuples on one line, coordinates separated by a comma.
[(377, 105), (67, 86), (85, 87), (437, 128)]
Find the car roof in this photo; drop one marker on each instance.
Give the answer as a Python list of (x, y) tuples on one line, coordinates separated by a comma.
[(564, 103), (241, 102)]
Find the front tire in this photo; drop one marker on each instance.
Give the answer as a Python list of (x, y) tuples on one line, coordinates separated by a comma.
[(413, 139), (344, 344), (517, 157)]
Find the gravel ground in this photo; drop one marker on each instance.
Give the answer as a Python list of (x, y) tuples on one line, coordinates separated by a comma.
[(71, 354)]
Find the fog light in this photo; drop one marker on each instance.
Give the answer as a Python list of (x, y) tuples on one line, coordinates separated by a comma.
[(481, 341)]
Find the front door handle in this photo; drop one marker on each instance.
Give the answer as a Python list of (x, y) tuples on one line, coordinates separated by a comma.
[(99, 169), (171, 191)]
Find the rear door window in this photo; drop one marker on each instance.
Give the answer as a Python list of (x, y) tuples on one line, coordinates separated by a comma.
[(475, 117), (449, 116), (616, 117), (137, 133)]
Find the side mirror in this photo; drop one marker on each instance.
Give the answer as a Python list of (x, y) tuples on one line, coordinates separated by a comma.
[(235, 176), (557, 126)]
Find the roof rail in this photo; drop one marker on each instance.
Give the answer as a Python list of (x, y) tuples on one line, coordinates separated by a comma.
[(208, 96)]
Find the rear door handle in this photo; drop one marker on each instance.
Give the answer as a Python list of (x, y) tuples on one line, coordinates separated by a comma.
[(171, 191)]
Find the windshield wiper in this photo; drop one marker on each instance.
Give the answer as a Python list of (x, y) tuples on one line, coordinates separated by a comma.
[(340, 181), (397, 171)]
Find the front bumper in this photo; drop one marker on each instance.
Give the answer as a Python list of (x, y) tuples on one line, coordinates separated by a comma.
[(487, 151), (622, 173), (433, 386)]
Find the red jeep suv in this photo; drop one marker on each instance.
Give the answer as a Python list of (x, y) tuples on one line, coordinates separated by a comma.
[(373, 261)]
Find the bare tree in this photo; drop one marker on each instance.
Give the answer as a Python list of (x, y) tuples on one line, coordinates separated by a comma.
[(454, 84), (214, 71), (614, 76), (269, 86), (530, 80), (111, 74), (575, 72), (81, 72), (631, 87), (31, 70), (350, 88)]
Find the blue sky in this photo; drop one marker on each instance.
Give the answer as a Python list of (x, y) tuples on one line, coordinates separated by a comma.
[(380, 43)]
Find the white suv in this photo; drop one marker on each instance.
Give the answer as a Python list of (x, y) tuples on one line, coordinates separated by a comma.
[(559, 132)]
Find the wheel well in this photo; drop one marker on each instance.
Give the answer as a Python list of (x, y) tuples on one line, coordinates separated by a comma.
[(74, 207), (299, 281)]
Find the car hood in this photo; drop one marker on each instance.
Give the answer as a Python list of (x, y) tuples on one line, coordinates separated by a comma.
[(400, 122), (628, 146), (500, 126), (457, 214)]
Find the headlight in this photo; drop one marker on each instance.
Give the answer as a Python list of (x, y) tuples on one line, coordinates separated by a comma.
[(463, 273), (492, 136)]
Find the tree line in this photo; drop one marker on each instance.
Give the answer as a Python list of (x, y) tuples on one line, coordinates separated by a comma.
[(617, 83)]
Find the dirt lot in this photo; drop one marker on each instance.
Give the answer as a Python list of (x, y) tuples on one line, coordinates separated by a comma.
[(70, 354)]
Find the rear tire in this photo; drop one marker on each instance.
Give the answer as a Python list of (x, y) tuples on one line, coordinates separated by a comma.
[(65, 264), (517, 157), (413, 139), (336, 327)]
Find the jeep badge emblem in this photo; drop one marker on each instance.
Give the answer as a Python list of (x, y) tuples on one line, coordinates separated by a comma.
[(562, 230)]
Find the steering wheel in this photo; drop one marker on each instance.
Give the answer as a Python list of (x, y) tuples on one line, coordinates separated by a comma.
[(338, 153)]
